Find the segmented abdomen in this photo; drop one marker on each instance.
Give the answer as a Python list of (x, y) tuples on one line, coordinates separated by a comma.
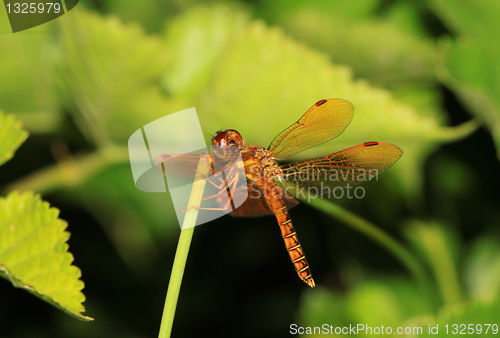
[(292, 243)]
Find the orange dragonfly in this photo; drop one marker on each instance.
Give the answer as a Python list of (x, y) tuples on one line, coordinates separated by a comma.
[(269, 184)]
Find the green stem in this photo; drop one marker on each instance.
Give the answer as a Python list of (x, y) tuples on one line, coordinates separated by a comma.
[(405, 256), (430, 238), (69, 172), (174, 286)]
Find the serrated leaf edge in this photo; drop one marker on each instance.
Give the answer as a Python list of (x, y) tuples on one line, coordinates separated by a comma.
[(18, 283)]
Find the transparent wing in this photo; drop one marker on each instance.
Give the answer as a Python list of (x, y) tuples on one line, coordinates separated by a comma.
[(351, 166), (325, 120), (183, 166)]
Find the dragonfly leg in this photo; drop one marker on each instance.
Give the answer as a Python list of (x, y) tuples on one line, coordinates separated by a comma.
[(221, 191), (223, 182), (233, 183), (218, 186), (225, 207)]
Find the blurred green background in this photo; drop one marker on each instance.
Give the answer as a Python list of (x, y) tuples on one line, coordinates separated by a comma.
[(423, 75)]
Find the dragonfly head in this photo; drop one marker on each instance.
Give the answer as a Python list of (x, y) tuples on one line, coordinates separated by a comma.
[(227, 141)]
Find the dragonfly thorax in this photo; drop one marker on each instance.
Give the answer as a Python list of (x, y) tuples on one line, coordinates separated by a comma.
[(259, 164)]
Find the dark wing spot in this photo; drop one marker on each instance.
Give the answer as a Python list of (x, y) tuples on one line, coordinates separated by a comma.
[(369, 144), (319, 103)]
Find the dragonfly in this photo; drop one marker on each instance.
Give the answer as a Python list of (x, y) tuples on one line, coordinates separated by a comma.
[(271, 187)]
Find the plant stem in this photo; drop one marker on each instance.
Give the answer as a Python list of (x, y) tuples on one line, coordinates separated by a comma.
[(431, 239), (69, 171), (405, 256), (174, 286)]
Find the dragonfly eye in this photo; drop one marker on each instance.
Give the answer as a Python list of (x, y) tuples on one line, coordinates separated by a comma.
[(227, 140), (235, 138), (219, 144), (219, 137)]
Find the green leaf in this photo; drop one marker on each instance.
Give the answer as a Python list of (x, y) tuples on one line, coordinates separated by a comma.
[(439, 247), (202, 31), (391, 301), (469, 64), (382, 51), (149, 14), (478, 19), (112, 74), (409, 15), (34, 254), (275, 10), (475, 316), (11, 136), (27, 76), (482, 269), (321, 306)]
